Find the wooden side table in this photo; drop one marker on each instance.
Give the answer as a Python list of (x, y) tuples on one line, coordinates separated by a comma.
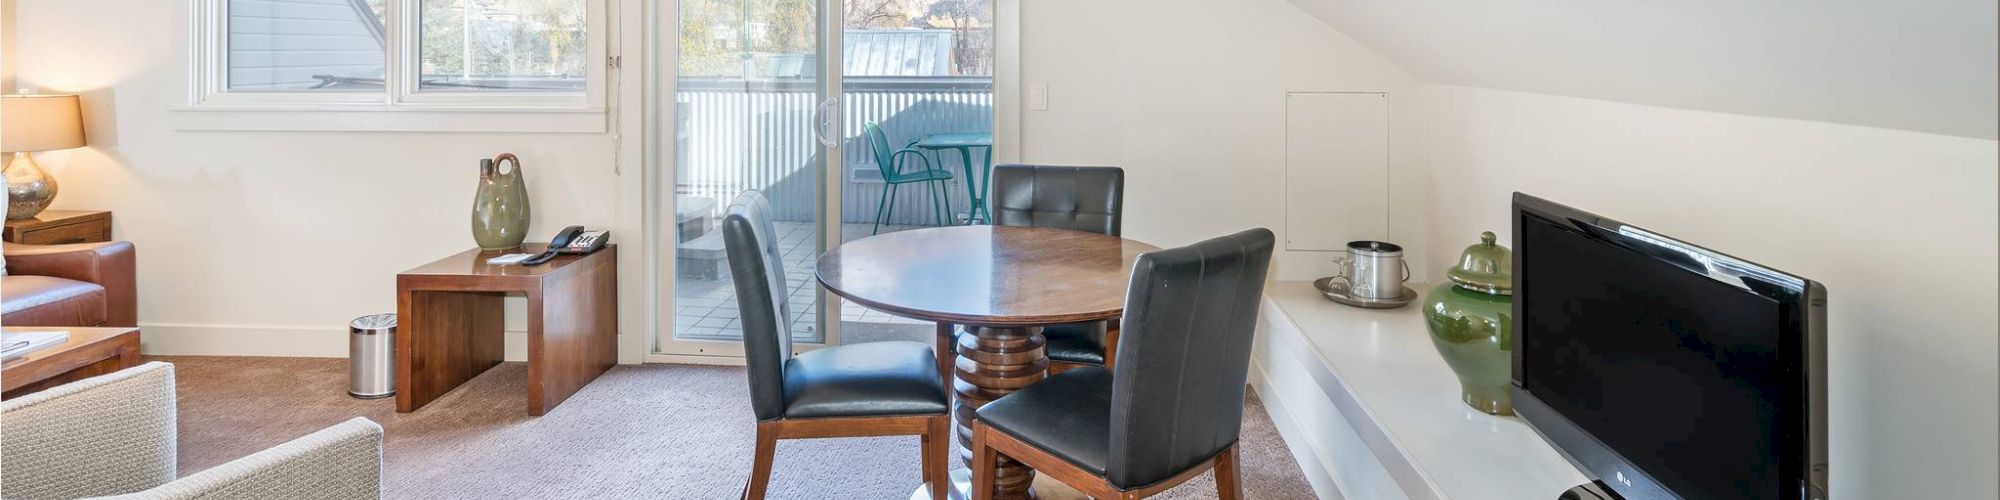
[(55, 227), (89, 352), (449, 324)]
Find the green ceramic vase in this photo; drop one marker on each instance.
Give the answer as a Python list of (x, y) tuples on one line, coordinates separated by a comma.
[(500, 207), (1471, 323)]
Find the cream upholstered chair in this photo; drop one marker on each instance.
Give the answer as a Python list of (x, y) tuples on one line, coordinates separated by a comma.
[(114, 435)]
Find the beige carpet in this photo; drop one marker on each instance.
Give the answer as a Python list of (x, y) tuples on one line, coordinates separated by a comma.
[(647, 431)]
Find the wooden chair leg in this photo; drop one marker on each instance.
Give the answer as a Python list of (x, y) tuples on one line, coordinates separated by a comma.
[(937, 457), (924, 451), (760, 465), (985, 462), (1227, 484), (947, 354)]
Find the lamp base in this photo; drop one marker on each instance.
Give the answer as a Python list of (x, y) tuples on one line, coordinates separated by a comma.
[(29, 188)]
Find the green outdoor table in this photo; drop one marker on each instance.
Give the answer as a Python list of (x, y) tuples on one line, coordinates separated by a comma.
[(975, 185)]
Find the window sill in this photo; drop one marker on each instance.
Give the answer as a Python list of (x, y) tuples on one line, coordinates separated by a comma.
[(388, 119)]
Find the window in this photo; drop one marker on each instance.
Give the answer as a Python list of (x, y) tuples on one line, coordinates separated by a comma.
[(963, 29), (503, 45), (398, 55), (278, 46), (773, 39)]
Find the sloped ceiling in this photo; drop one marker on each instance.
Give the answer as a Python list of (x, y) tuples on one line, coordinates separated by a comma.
[(1923, 65)]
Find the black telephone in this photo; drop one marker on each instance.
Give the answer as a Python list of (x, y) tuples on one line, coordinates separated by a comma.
[(572, 240)]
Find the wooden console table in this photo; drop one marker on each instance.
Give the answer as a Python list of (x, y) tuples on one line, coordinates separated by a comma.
[(449, 324), (1367, 388), (89, 352)]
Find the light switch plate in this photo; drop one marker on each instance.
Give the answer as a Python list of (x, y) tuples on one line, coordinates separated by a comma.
[(1038, 96)]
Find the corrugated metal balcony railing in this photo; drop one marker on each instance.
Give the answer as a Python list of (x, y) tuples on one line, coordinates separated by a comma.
[(736, 135)]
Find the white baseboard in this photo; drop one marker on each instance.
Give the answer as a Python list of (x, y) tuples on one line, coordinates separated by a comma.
[(183, 339), (687, 359)]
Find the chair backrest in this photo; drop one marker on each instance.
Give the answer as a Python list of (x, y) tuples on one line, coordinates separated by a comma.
[(1184, 355), (105, 435), (885, 158), (758, 270), (1076, 198)]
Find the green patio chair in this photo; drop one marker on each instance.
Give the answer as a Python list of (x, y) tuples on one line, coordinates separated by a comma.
[(892, 175)]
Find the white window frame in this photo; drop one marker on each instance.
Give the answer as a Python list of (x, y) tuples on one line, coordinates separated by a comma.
[(401, 105)]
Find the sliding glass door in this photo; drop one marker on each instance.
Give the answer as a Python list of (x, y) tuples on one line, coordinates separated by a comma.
[(752, 112), (912, 71), (824, 106)]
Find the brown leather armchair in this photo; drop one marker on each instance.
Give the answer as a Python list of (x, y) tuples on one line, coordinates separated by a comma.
[(85, 284)]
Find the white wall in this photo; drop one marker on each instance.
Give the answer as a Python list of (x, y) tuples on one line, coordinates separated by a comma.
[(1189, 97), (268, 242), (1900, 226), (7, 18), (264, 241)]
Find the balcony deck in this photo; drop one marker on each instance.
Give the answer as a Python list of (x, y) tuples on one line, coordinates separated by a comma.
[(705, 309), (735, 135)]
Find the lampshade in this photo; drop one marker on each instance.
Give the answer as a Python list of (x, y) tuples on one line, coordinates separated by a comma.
[(40, 123)]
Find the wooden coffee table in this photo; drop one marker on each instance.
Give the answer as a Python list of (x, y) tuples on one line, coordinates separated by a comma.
[(89, 352)]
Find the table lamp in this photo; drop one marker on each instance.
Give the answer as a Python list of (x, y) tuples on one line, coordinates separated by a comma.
[(30, 123)]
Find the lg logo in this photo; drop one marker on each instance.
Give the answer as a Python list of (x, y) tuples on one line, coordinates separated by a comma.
[(1622, 480)]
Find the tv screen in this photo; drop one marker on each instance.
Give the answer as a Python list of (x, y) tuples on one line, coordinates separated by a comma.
[(1663, 369)]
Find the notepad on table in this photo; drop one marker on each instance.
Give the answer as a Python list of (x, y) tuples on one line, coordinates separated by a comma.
[(13, 344)]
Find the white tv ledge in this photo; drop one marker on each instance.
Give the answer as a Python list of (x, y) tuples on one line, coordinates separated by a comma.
[(1371, 411)]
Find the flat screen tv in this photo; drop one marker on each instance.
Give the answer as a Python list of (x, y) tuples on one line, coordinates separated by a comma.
[(1662, 369)]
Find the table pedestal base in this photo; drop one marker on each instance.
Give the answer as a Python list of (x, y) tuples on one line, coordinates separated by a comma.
[(961, 489), (993, 362)]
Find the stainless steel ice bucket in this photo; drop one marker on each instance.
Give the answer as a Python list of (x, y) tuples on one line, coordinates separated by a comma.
[(1373, 269)]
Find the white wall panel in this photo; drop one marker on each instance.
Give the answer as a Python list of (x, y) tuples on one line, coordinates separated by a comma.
[(1336, 169)]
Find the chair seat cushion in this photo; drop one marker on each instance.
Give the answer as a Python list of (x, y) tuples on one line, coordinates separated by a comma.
[(1067, 415), (1080, 343), (49, 301), (859, 380)]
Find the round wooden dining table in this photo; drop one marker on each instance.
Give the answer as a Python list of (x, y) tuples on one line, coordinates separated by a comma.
[(1003, 284)]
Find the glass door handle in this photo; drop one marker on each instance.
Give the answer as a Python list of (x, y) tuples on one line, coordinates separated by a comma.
[(823, 122)]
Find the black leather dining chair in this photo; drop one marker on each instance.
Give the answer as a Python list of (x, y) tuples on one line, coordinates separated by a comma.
[(856, 390), (1172, 406), (1076, 198)]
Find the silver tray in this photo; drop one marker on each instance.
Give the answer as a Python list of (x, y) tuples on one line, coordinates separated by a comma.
[(1337, 292)]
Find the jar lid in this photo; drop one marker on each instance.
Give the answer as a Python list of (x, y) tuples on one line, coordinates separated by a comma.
[(1375, 248), (1485, 267)]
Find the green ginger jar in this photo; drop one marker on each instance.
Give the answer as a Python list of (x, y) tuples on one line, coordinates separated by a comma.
[(1471, 323)]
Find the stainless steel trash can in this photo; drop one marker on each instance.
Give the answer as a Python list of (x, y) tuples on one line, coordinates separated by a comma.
[(371, 356)]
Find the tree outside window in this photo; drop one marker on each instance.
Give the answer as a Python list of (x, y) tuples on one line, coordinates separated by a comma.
[(503, 44), (752, 38)]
